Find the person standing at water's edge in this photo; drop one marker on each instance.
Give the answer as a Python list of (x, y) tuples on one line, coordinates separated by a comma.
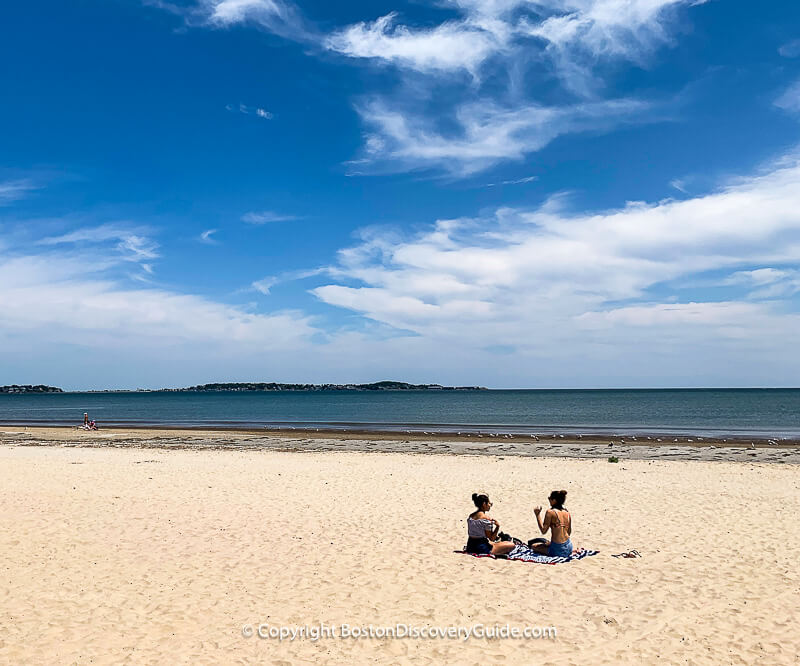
[(85, 419), (482, 530)]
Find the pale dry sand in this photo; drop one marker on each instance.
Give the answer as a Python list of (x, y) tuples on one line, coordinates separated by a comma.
[(128, 555)]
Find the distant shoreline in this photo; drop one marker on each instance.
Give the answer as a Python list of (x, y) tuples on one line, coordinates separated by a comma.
[(250, 387), (430, 387), (27, 389)]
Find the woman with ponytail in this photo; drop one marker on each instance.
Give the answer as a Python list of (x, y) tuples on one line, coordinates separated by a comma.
[(558, 520), (482, 530)]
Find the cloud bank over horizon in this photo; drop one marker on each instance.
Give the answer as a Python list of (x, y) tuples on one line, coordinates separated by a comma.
[(547, 287)]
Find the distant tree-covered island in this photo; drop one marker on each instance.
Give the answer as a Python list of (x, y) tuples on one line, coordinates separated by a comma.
[(275, 386), (29, 388)]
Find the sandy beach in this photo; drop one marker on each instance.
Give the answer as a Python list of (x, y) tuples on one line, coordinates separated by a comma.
[(116, 550)]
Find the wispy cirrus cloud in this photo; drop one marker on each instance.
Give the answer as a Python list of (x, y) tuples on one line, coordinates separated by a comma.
[(572, 41), (582, 34), (790, 49), (789, 100), (206, 237), (579, 39), (516, 181), (575, 34), (14, 190), (485, 133), (265, 285), (679, 184), (279, 17), (248, 110), (131, 243), (266, 217)]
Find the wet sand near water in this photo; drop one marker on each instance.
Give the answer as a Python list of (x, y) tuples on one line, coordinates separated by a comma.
[(685, 448)]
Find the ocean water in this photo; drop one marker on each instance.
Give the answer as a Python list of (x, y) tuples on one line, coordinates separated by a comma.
[(714, 412)]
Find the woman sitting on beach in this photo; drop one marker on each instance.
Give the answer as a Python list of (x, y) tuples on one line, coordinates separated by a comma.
[(482, 530), (558, 520)]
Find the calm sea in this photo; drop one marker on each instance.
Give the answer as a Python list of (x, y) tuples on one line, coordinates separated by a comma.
[(769, 412)]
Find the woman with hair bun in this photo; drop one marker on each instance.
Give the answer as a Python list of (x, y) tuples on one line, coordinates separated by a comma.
[(558, 520), (482, 530)]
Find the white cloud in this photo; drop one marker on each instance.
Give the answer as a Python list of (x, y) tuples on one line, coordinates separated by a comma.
[(516, 181), (760, 276), (98, 234), (73, 314), (265, 285), (499, 43), (495, 41), (266, 216), (127, 242), (720, 315), (14, 190), (578, 298), (581, 33), (68, 295), (473, 130), (790, 98), (576, 35), (679, 184), (97, 312), (486, 133), (206, 236), (449, 46), (276, 16), (547, 282), (138, 247), (767, 283), (790, 49), (247, 110), (235, 11)]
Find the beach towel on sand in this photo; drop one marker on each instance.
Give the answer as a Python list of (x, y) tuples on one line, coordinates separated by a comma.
[(522, 553)]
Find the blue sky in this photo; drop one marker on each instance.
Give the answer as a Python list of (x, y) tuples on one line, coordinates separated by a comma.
[(562, 193)]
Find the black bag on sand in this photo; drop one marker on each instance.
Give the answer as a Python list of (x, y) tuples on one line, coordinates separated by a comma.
[(507, 537)]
